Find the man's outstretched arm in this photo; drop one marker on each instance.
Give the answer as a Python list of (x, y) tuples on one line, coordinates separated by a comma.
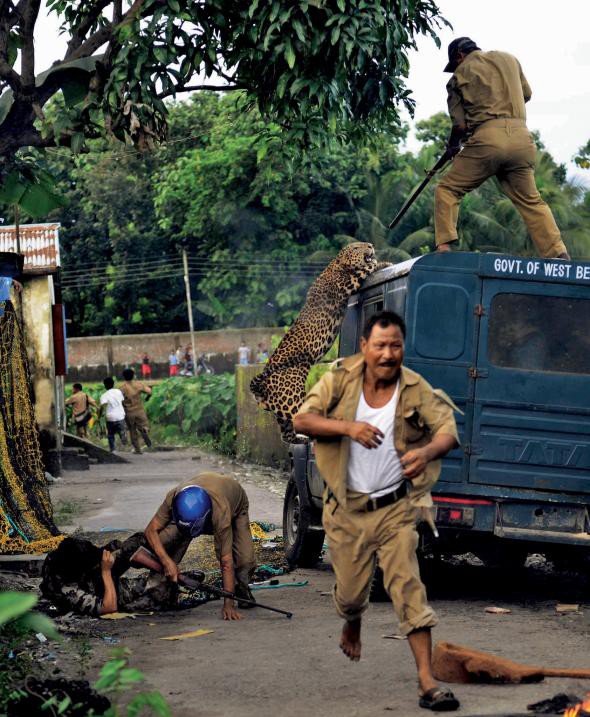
[(152, 534)]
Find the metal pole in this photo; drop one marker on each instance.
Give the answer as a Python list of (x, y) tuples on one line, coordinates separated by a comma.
[(189, 308)]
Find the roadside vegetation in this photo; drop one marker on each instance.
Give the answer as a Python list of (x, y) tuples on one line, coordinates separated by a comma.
[(29, 687), (198, 411)]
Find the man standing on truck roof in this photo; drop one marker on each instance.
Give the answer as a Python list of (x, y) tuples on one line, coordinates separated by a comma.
[(486, 99), (380, 432)]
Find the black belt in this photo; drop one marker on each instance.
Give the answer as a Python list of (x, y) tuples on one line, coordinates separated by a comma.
[(387, 499)]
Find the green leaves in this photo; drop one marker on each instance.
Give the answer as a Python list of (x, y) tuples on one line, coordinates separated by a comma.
[(31, 188), (350, 55), (15, 609), (15, 604), (204, 404)]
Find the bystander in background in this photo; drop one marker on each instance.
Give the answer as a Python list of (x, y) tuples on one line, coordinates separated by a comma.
[(261, 354), (135, 415), (81, 404), (243, 354), (172, 363), (146, 368), (111, 401)]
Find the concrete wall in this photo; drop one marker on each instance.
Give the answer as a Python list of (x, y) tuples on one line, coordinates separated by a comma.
[(36, 301), (94, 357), (258, 435)]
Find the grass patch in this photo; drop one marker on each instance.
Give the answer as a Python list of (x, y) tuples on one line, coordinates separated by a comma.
[(64, 511)]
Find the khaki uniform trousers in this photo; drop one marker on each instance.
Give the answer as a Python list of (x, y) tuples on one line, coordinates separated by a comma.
[(136, 424), (356, 539), (502, 148)]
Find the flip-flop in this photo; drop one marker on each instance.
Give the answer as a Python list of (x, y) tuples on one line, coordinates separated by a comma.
[(439, 699)]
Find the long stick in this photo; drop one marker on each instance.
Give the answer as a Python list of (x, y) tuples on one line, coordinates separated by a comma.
[(144, 557), (416, 193), (195, 585)]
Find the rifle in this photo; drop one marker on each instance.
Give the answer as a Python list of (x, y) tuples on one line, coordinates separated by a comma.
[(142, 556), (415, 194)]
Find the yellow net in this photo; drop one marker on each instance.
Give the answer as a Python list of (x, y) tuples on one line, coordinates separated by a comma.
[(26, 515)]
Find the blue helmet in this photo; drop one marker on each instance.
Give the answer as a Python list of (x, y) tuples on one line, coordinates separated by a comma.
[(191, 509)]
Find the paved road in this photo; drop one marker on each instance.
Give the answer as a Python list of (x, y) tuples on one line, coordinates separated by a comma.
[(114, 496), (267, 665)]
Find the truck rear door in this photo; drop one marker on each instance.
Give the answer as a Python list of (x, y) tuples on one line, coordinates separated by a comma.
[(531, 415)]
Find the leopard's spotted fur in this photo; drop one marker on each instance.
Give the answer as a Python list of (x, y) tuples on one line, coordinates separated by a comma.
[(280, 388)]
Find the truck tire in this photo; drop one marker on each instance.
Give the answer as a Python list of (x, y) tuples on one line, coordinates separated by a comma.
[(303, 546)]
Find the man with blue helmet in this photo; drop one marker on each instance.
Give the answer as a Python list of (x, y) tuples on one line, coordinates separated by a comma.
[(209, 504)]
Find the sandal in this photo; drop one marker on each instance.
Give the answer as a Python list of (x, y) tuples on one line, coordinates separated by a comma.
[(439, 699)]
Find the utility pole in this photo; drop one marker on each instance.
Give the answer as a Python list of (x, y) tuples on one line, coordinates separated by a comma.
[(189, 307)]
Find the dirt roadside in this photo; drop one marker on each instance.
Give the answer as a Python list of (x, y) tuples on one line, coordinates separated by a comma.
[(267, 665)]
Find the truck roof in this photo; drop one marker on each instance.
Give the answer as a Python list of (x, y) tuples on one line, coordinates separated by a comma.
[(491, 265)]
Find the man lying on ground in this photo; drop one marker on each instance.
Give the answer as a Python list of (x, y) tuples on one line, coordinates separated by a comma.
[(209, 504), (78, 576)]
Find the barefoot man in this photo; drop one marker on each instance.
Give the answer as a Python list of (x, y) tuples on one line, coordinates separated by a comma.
[(380, 433)]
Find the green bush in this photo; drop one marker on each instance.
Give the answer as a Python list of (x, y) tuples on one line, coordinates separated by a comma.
[(202, 407)]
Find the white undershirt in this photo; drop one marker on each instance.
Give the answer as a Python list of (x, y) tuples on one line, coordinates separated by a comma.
[(376, 471)]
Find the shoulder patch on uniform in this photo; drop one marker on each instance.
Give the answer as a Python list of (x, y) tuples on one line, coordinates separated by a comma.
[(445, 398)]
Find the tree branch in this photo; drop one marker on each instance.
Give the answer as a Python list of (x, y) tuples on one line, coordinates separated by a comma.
[(11, 77), (193, 88), (83, 28), (29, 18), (89, 46)]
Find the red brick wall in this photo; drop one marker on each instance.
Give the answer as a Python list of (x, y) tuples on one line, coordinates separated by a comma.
[(93, 357)]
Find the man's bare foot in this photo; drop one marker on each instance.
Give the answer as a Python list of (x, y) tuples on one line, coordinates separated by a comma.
[(443, 247), (565, 256), (350, 641)]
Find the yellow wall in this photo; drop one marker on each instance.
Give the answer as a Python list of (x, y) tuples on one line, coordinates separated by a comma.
[(36, 301)]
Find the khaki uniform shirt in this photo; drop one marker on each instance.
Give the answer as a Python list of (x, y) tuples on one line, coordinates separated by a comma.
[(80, 401), (133, 403), (228, 500), (421, 413), (485, 86)]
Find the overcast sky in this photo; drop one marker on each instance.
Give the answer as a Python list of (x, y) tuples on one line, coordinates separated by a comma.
[(549, 38)]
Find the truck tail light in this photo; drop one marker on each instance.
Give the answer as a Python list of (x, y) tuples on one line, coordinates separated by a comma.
[(455, 517)]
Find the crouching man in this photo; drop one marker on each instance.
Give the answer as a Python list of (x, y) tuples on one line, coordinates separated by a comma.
[(381, 431), (209, 504)]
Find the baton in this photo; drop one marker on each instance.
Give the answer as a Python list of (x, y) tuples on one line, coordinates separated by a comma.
[(415, 194), (144, 557)]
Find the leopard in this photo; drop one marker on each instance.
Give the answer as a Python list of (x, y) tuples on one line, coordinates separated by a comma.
[(280, 388)]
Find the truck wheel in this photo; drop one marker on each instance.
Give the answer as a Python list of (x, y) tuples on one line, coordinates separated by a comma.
[(303, 546)]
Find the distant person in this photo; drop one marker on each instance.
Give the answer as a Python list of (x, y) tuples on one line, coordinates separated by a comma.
[(135, 415), (243, 354), (189, 364), (486, 99), (146, 368), (172, 363), (81, 404), (179, 357), (261, 354), (111, 401)]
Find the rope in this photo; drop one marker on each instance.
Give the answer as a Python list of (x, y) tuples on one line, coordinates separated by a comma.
[(26, 514)]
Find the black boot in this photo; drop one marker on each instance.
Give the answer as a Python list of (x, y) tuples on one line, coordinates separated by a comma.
[(147, 439), (243, 592)]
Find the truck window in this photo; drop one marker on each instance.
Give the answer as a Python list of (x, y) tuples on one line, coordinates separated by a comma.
[(540, 333)]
